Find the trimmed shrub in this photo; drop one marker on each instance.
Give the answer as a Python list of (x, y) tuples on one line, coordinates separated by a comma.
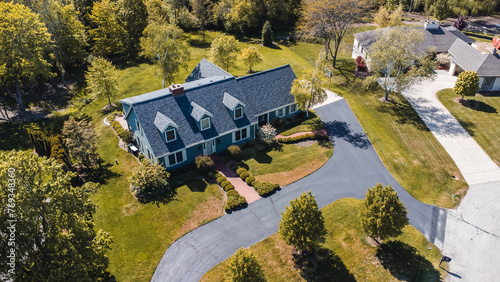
[(229, 187), (224, 184), (232, 193), (204, 163), (234, 151), (244, 175), (360, 64), (234, 202), (250, 180), (265, 188), (212, 176), (276, 122), (267, 34), (309, 136), (233, 165), (140, 157), (240, 170), (124, 134), (221, 179)]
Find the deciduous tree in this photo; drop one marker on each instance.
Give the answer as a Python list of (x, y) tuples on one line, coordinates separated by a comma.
[(102, 79), (202, 11), (250, 57), (460, 23), (108, 33), (267, 133), (149, 182), (81, 141), (243, 267), (396, 58), (382, 17), (163, 44), (134, 15), (24, 44), (329, 20), (467, 84), (382, 214), (48, 222), (308, 90), (223, 51), (302, 224)]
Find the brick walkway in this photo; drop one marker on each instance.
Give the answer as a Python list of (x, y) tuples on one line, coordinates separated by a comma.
[(239, 185), (321, 131)]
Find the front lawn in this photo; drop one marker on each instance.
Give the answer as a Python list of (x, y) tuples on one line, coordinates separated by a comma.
[(481, 119), (142, 233), (286, 163), (406, 258), (301, 123)]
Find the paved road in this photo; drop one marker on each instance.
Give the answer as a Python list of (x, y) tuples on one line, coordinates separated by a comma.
[(353, 168)]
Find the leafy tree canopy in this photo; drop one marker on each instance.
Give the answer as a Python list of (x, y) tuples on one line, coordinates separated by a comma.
[(223, 51), (244, 267), (149, 182), (102, 79), (250, 57), (467, 84)]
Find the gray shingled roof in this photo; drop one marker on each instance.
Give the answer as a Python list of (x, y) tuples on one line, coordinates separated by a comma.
[(268, 90), (469, 58), (197, 111), (206, 69), (259, 92), (442, 38), (162, 122), (231, 102)]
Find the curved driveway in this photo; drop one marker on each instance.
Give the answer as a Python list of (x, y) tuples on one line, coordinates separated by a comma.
[(353, 168)]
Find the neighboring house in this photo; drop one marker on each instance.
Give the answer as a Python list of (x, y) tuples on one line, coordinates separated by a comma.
[(211, 111), (441, 38), (465, 57)]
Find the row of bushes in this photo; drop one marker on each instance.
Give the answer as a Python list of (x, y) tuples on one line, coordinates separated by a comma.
[(234, 199), (308, 136), (125, 135), (263, 188)]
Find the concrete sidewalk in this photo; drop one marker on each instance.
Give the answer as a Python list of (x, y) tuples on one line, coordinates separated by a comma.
[(239, 185), (474, 164)]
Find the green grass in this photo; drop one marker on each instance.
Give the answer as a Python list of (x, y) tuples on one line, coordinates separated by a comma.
[(406, 146), (481, 119), (406, 257), (481, 37), (142, 233), (287, 163), (302, 124)]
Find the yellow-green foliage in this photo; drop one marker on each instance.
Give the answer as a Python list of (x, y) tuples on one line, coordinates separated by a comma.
[(244, 267), (467, 84), (250, 57)]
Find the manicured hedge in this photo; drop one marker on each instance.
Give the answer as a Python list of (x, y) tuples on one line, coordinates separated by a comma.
[(265, 188), (234, 200), (240, 170), (308, 136), (221, 179), (229, 188), (244, 175), (250, 180), (224, 184), (125, 135), (232, 193)]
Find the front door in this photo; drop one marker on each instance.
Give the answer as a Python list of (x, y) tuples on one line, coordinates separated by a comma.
[(488, 83), (209, 147)]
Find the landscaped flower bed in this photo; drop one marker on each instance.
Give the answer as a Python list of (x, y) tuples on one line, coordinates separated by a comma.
[(263, 188), (234, 199), (308, 136)]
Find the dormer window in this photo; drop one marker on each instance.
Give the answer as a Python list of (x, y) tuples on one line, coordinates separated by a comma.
[(238, 113), (205, 123), (170, 135)]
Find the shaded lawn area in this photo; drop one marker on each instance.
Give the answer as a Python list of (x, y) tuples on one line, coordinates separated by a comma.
[(406, 257), (481, 119), (406, 146), (286, 163), (301, 124), (142, 233), (481, 37)]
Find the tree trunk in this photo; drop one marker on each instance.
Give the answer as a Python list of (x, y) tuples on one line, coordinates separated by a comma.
[(19, 99), (109, 101), (163, 81), (387, 95)]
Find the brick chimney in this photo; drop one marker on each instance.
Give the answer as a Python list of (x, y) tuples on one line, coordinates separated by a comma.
[(176, 89)]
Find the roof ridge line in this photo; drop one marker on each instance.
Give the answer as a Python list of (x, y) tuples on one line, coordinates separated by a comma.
[(215, 65), (207, 84), (263, 72)]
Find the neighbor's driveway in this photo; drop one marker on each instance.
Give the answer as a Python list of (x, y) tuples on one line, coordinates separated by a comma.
[(353, 168), (473, 230)]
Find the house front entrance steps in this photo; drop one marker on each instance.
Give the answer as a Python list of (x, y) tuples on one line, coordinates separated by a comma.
[(239, 185)]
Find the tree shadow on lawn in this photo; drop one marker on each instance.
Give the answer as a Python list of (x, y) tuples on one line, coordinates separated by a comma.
[(403, 112), (405, 263), (322, 265), (479, 106), (340, 129)]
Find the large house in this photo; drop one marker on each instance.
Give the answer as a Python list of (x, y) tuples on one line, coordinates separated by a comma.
[(445, 40), (208, 113)]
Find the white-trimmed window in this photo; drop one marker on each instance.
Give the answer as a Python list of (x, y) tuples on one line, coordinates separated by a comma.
[(280, 112), (170, 135), (240, 134), (176, 158), (238, 113), (205, 123), (293, 108)]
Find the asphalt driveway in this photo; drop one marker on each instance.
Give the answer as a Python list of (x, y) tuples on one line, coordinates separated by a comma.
[(353, 168)]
